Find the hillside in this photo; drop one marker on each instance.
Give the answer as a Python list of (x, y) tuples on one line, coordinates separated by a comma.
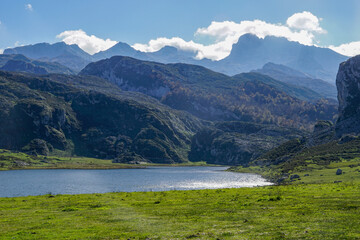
[(88, 116), (330, 145), (210, 95), (237, 143)]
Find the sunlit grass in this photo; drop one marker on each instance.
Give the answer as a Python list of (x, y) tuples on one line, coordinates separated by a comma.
[(317, 211)]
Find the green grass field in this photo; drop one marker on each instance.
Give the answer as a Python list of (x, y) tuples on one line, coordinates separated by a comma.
[(312, 207), (304, 211)]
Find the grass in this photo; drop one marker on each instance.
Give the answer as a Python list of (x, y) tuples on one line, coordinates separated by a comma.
[(17, 160), (313, 173), (303, 211), (312, 207)]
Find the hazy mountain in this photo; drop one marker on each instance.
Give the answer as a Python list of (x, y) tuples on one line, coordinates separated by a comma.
[(169, 54), (288, 75), (211, 95), (166, 54), (299, 92), (20, 63), (120, 49), (68, 55), (251, 52)]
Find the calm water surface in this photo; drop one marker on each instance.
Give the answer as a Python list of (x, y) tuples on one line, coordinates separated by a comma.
[(67, 181)]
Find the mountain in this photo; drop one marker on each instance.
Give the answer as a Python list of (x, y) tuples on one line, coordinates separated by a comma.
[(251, 52), (89, 116), (210, 95), (20, 63), (288, 75), (329, 142), (70, 56), (169, 54), (348, 84), (119, 49), (166, 54)]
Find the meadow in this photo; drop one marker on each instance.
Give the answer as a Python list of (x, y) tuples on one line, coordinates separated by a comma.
[(313, 207)]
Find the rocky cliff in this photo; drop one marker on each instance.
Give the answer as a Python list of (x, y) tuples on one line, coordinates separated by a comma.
[(348, 85)]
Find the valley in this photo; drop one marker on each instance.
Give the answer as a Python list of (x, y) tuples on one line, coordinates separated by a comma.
[(245, 129)]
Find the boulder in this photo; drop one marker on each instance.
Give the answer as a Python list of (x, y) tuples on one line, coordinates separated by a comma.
[(339, 172), (295, 176)]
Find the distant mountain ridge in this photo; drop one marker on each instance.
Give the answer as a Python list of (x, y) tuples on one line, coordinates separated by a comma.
[(249, 53), (20, 63), (288, 75), (68, 55)]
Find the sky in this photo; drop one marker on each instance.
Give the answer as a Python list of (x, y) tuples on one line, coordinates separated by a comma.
[(206, 27)]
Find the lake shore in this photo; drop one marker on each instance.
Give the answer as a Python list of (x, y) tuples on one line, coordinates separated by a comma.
[(17, 160)]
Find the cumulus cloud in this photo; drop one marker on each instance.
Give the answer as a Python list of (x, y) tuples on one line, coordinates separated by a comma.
[(90, 44), (1, 51), (300, 27), (29, 7), (348, 49), (305, 21)]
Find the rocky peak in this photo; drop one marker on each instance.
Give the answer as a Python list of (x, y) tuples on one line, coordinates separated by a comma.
[(348, 85)]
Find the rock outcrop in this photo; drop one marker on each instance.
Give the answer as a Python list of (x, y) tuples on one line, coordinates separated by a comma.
[(348, 85)]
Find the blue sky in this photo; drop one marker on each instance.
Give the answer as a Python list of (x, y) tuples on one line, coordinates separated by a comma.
[(138, 22)]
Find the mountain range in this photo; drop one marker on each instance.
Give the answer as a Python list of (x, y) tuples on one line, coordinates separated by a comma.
[(211, 95), (249, 53)]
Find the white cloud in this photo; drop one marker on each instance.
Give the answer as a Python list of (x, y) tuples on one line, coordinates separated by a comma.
[(301, 27), (29, 7), (1, 51), (90, 44), (305, 21), (348, 49)]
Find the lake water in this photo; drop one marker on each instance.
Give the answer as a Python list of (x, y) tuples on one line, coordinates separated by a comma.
[(68, 181)]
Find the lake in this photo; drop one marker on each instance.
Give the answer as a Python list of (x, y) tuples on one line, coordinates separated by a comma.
[(73, 181)]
